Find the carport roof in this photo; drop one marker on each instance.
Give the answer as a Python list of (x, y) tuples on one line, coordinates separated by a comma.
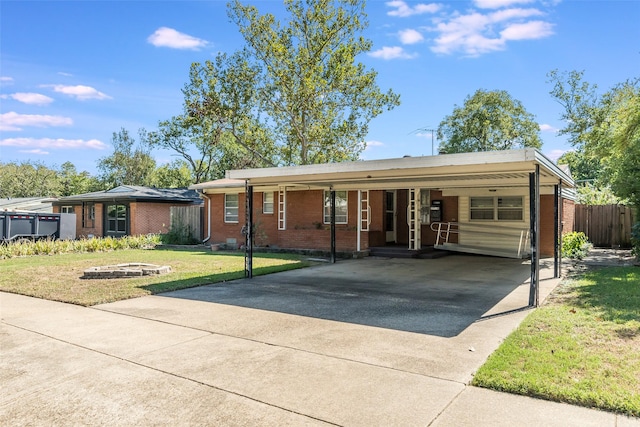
[(509, 168)]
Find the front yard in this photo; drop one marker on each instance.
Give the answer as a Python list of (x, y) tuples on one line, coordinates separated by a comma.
[(58, 277), (581, 347)]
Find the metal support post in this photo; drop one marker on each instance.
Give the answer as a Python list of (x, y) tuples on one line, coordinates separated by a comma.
[(332, 204), (556, 232), (248, 247)]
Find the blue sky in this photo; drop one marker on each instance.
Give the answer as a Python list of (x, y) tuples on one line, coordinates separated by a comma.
[(73, 72)]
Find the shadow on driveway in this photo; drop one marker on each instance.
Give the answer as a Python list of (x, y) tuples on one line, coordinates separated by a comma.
[(439, 297)]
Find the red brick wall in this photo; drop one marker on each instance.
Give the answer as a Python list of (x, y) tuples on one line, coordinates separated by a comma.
[(547, 222), (147, 217), (568, 216), (83, 232), (305, 228)]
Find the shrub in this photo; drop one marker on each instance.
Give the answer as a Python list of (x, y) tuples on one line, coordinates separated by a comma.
[(575, 245), (51, 247), (179, 234)]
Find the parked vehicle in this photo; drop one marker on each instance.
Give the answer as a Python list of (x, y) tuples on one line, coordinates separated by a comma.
[(16, 226)]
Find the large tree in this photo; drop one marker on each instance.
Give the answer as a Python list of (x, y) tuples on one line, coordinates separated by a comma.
[(605, 127), (218, 128), (488, 121), (130, 163), (316, 99), (74, 182), (28, 179)]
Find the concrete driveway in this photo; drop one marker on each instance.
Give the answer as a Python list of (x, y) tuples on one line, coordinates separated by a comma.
[(371, 342)]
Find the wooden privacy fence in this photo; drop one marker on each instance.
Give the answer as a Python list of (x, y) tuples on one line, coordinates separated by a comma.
[(188, 216), (606, 226)]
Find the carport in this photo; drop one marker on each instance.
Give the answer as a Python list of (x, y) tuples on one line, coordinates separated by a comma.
[(526, 173)]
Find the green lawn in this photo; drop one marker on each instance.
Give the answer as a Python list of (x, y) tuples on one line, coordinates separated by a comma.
[(581, 347), (58, 277)]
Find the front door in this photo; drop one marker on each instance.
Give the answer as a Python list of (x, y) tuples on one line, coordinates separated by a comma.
[(390, 216), (116, 220)]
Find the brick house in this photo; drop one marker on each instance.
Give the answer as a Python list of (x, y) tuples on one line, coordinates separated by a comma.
[(125, 210), (471, 202)]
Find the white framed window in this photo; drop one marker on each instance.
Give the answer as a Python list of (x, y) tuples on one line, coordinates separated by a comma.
[(230, 208), (66, 209), (509, 208), (341, 207), (267, 202)]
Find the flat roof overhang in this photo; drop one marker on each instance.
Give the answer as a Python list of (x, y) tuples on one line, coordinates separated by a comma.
[(466, 170)]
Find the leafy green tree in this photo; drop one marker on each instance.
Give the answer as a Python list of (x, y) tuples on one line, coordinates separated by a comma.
[(488, 121), (129, 164), (605, 127), (176, 174), (589, 194), (28, 179), (74, 182), (314, 97), (583, 168), (218, 129)]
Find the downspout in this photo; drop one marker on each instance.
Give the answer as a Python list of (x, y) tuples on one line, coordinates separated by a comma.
[(206, 239)]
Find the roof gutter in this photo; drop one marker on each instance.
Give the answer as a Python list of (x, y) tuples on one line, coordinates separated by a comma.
[(206, 239)]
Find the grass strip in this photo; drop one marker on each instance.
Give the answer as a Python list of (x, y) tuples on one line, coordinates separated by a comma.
[(58, 277), (581, 347)]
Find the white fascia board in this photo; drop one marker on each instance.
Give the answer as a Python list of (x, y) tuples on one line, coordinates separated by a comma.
[(445, 160), (218, 184), (384, 172)]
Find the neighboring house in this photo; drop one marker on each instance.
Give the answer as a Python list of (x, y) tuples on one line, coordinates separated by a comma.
[(471, 202), (27, 204), (125, 210)]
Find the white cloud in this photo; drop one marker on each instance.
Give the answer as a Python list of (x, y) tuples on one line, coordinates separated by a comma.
[(29, 98), (394, 52), (410, 36), (528, 31), (5, 80), (40, 143), (402, 9), (168, 37), (370, 144), (496, 4), (62, 73), (79, 92), (476, 33), (13, 121), (36, 151), (547, 128)]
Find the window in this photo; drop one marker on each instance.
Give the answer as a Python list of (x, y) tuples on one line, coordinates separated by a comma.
[(88, 215), (230, 208), (267, 203), (66, 209), (497, 208), (116, 220), (510, 209), (341, 207)]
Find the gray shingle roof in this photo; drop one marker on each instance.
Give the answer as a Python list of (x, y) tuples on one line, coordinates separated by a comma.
[(136, 193)]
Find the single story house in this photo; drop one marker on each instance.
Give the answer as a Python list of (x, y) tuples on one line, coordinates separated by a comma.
[(125, 210), (494, 203)]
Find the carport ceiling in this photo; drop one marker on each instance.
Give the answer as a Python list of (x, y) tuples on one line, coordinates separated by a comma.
[(489, 169)]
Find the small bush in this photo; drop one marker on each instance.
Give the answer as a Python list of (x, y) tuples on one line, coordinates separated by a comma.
[(179, 234), (575, 245), (51, 247)]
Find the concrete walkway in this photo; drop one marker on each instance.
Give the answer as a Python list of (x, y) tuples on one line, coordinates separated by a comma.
[(177, 360)]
